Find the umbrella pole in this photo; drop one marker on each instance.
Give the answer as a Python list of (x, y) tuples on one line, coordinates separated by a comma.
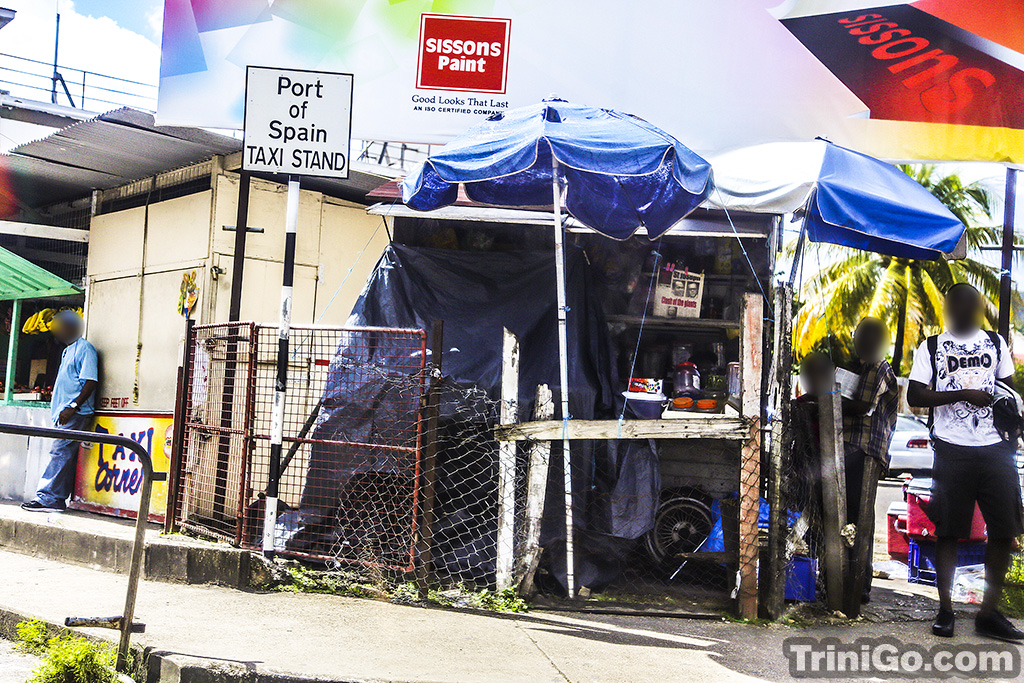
[(563, 374)]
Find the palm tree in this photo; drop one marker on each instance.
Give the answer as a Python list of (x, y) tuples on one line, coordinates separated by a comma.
[(905, 293)]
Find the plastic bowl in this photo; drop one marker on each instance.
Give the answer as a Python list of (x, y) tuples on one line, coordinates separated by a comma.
[(643, 406)]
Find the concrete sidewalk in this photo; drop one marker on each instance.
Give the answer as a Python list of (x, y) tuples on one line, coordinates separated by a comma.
[(103, 542), (283, 636)]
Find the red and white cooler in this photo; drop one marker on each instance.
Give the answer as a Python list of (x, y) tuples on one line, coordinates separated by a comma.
[(920, 527), (899, 541)]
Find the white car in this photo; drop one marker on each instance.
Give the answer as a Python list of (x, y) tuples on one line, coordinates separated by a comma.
[(911, 448)]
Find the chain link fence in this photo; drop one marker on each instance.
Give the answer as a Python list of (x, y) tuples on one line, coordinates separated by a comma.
[(392, 470)]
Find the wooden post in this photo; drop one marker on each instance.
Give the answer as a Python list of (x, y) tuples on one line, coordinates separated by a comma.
[(536, 491), (861, 556), (833, 494), (507, 462), (429, 471), (12, 350), (780, 388), (181, 398), (750, 452)]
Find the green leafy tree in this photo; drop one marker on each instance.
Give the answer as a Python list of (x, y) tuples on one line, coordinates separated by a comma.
[(905, 293)]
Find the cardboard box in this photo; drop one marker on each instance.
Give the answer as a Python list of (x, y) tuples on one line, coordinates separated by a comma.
[(35, 368), (678, 294)]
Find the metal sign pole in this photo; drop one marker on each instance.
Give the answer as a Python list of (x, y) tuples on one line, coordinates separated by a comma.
[(1006, 277), (281, 385), (563, 376)]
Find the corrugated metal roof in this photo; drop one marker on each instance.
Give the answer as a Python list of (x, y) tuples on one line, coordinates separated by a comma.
[(21, 279), (103, 152), (125, 145)]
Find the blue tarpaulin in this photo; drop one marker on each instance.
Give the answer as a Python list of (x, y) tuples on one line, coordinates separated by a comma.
[(867, 204)]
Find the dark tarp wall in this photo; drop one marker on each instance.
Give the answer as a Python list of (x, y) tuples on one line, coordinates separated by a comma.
[(476, 294)]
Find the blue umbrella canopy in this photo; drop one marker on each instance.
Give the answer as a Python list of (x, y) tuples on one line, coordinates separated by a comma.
[(861, 202), (620, 173)]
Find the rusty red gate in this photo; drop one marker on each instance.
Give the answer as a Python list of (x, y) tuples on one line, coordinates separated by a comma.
[(352, 435)]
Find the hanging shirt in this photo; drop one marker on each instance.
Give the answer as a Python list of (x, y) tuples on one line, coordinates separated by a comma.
[(971, 362), (78, 364)]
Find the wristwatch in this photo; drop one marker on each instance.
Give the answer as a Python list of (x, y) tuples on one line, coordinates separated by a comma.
[(73, 405)]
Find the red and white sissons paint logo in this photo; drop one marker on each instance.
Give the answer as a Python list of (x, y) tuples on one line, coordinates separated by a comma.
[(463, 53)]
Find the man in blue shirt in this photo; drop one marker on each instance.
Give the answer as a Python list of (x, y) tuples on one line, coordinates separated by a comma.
[(70, 408)]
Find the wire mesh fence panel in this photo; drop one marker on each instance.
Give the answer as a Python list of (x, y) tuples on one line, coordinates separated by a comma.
[(352, 434), (388, 468)]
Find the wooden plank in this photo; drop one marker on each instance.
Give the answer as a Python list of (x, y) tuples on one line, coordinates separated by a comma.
[(861, 556), (536, 491), (428, 472), (780, 387), (674, 323), (509, 414), (833, 494), (750, 453), (709, 427), (751, 360)]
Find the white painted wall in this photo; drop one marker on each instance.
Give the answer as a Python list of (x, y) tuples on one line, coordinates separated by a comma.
[(22, 459), (129, 276)]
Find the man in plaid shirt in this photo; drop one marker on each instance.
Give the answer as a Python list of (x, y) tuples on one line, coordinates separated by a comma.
[(869, 417)]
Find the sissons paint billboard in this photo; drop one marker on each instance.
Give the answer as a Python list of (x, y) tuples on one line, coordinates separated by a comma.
[(927, 79), (465, 54)]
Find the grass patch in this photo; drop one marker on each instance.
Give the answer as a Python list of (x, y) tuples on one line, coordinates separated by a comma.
[(301, 579), (67, 658), (1012, 603)]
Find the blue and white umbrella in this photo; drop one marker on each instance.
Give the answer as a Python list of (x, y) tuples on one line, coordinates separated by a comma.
[(848, 198), (613, 172)]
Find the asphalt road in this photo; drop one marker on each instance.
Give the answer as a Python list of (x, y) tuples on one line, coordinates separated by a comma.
[(15, 667), (889, 491)]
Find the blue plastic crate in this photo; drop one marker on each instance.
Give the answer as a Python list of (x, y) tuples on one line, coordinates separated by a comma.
[(922, 559), (801, 577)]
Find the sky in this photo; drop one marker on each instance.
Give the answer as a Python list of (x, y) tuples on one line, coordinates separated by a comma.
[(113, 37), (122, 38)]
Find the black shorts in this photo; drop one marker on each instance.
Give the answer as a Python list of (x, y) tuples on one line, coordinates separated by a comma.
[(986, 475)]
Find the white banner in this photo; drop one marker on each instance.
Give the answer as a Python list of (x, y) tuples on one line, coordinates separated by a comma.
[(717, 75)]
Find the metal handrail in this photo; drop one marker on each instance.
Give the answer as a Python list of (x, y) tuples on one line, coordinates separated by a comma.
[(124, 622)]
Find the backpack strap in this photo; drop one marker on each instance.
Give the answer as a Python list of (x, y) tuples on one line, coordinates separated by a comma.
[(932, 344), (996, 339)]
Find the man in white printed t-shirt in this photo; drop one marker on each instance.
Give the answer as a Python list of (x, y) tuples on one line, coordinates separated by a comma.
[(955, 374)]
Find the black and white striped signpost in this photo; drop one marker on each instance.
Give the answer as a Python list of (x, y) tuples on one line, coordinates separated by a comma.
[(296, 123)]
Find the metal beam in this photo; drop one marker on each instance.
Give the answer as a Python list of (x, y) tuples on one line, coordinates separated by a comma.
[(1006, 278), (12, 351), (49, 232), (688, 227)]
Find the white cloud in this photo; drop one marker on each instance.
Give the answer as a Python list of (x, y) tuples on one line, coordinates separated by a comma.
[(155, 19), (96, 44)]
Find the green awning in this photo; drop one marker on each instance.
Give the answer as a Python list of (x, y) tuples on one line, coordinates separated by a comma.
[(21, 279)]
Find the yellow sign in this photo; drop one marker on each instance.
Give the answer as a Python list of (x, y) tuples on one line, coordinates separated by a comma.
[(109, 478), (189, 296)]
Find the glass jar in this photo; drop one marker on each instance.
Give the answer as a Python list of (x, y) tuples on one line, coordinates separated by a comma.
[(686, 381)]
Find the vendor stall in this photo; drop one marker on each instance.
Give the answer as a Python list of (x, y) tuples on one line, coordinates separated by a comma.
[(29, 296), (642, 532)]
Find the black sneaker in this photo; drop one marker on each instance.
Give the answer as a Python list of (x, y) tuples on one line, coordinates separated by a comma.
[(995, 625), (36, 506), (944, 623)]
